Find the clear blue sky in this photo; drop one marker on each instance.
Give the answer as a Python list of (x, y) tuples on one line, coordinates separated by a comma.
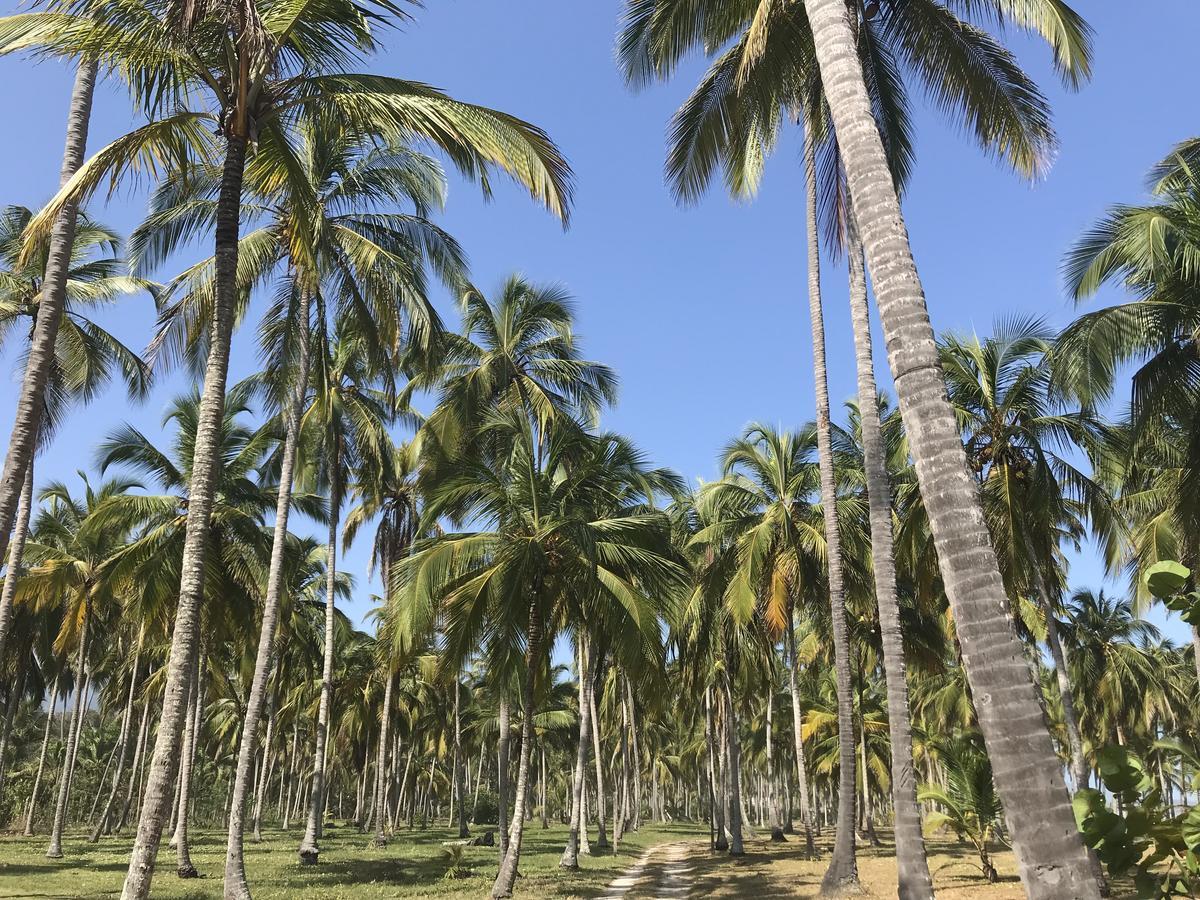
[(700, 310)]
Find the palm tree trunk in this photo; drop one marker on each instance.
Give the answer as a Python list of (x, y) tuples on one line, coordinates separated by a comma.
[(716, 779), (912, 865), (292, 777), (16, 550), (316, 810), (102, 824), (37, 779), (636, 751), (736, 814), (264, 781), (31, 401), (191, 736), (507, 875), (570, 855), (14, 700), (1049, 851), (54, 851), (502, 751), (135, 768), (601, 812), (184, 639), (460, 764), (810, 848), (381, 781), (235, 866), (843, 865), (772, 784), (1079, 769)]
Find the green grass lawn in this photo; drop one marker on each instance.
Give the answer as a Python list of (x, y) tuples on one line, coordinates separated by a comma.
[(412, 865)]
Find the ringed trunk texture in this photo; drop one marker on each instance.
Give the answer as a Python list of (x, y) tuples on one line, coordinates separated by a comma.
[(911, 863), (309, 851), (1049, 851), (31, 401), (507, 876), (843, 865), (54, 851), (236, 885), (16, 550), (164, 763)]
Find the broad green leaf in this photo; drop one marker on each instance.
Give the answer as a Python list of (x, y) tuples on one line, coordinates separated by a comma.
[(1166, 578)]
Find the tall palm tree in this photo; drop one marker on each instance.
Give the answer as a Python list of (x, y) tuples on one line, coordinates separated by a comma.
[(31, 400), (262, 67), (85, 354), (1050, 853)]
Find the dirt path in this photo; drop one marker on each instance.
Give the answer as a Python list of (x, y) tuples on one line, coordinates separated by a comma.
[(663, 872)]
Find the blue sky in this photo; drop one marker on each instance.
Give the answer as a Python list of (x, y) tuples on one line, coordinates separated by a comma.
[(701, 310)]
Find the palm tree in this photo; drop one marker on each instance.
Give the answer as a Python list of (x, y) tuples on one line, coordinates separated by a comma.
[(43, 342), (258, 71), (1050, 853), (967, 804), (85, 354)]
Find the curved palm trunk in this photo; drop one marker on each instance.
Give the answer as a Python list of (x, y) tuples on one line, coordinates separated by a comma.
[(268, 767), (601, 812), (507, 875), (570, 855), (843, 865), (502, 751), (235, 867), (912, 865), (309, 851), (31, 401), (37, 779), (378, 813), (810, 847), (16, 550), (102, 824), (156, 801), (1049, 851), (54, 851)]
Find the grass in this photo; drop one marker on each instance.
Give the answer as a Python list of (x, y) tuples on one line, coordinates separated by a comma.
[(412, 865)]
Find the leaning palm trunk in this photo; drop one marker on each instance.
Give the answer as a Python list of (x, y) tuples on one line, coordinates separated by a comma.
[(165, 761), (16, 550), (507, 875), (135, 768), (123, 743), (1050, 854), (912, 866), (235, 867), (37, 779), (843, 866), (309, 851), (31, 401), (1079, 770), (570, 855), (268, 766), (378, 813), (182, 839), (798, 735), (54, 851)]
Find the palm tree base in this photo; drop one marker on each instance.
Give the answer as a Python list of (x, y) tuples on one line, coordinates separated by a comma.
[(308, 856), (777, 836), (188, 871)]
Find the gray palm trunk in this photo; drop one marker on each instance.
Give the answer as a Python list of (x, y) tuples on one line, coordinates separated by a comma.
[(135, 767), (31, 808), (164, 763), (309, 851), (54, 851), (123, 744), (570, 855), (236, 885), (507, 876), (378, 813), (716, 779), (798, 736), (772, 785), (268, 766), (1050, 854), (635, 758), (502, 752), (1079, 768), (31, 401), (460, 764), (14, 700), (843, 865), (601, 811), (912, 865), (733, 770), (182, 841), (16, 551)]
